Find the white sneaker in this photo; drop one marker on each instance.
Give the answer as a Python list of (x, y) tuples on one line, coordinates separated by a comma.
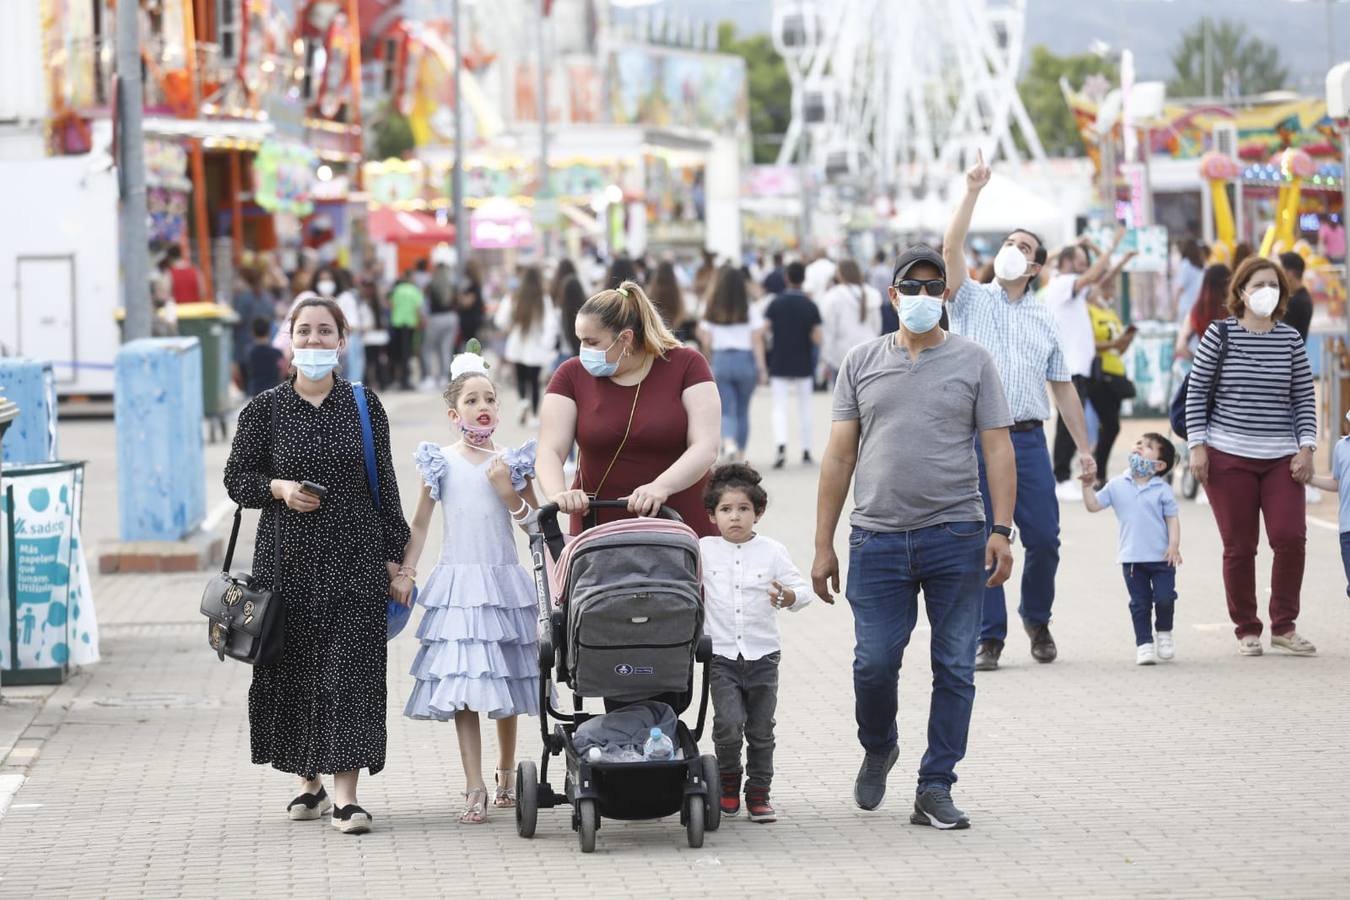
[(1249, 645), (1144, 655), (1294, 643), (1166, 648), (1068, 491)]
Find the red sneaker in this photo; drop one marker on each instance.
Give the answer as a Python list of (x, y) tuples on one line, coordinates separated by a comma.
[(758, 806), (731, 793)]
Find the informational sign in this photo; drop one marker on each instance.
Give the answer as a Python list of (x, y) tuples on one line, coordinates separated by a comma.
[(47, 618), (1148, 242)]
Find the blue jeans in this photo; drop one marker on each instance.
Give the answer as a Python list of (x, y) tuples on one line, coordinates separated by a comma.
[(736, 377), (1036, 516), (1152, 586), (1345, 559), (886, 571)]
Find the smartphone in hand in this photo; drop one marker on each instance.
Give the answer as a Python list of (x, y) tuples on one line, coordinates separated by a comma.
[(317, 490)]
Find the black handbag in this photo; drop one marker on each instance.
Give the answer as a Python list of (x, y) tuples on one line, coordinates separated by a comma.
[(1120, 385), (246, 622)]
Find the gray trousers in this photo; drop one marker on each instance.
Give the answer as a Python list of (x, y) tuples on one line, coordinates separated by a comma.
[(437, 343), (745, 696)]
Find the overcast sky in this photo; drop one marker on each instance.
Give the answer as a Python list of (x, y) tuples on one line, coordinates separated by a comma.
[(1147, 27)]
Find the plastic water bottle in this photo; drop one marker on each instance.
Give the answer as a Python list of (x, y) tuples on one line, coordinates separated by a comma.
[(658, 746)]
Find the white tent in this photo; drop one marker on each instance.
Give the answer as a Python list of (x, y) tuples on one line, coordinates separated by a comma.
[(1006, 204)]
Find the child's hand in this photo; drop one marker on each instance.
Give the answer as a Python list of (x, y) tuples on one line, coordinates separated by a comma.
[(401, 589), (499, 475), (782, 597), (1172, 557), (1088, 480)]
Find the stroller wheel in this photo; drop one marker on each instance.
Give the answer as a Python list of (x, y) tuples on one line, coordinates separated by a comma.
[(588, 820), (712, 807), (527, 799), (694, 821)]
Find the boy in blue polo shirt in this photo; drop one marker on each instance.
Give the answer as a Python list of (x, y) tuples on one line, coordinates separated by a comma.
[(1339, 480), (1150, 541)]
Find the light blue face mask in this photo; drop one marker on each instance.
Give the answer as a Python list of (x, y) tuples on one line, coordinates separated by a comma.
[(596, 361), (1141, 467), (315, 362), (919, 314)]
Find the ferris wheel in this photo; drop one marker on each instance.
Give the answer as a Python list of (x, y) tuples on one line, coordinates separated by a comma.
[(900, 94)]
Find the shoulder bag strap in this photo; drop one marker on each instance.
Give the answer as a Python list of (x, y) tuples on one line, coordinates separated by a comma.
[(239, 508), (1213, 395), (367, 441), (276, 518)]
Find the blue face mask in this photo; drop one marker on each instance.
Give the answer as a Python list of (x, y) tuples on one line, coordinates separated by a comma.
[(596, 361), (919, 314), (315, 362), (1140, 467)]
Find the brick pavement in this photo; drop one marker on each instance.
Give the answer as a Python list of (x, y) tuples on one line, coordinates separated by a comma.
[(1211, 776)]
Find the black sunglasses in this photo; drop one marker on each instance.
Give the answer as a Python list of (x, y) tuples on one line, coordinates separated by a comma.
[(933, 287)]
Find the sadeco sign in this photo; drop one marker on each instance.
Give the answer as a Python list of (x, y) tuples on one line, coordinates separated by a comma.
[(47, 618)]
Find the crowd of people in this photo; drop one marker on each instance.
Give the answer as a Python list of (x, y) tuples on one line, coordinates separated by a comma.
[(645, 380)]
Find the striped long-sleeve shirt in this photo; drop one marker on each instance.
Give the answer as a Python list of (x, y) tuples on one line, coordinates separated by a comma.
[(1264, 407)]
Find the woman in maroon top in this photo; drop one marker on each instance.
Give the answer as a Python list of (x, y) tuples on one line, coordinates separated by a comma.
[(642, 410)]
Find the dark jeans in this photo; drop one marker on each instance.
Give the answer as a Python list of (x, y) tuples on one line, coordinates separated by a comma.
[(1036, 516), (745, 696), (886, 571), (527, 385), (1345, 559), (1153, 590), (400, 356), (1244, 493), (736, 377)]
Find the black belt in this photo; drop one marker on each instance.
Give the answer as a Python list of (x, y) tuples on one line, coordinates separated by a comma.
[(1028, 425)]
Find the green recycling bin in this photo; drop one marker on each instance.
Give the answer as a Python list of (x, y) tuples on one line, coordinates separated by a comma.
[(213, 325), (47, 621)]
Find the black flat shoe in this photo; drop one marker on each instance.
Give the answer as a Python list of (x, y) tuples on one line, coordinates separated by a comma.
[(352, 819), (307, 807)]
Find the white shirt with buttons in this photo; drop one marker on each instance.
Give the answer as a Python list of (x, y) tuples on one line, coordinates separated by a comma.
[(737, 580)]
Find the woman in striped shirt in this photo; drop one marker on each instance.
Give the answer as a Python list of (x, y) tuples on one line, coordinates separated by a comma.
[(1253, 446)]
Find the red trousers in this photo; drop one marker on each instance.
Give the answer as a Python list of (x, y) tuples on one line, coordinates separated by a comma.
[(1242, 492)]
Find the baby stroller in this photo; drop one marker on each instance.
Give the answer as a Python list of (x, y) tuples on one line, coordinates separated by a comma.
[(627, 626)]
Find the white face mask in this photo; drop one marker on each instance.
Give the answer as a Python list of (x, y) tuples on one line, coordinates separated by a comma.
[(326, 288), (1010, 264), (1263, 301)]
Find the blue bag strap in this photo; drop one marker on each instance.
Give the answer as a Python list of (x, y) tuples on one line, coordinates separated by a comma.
[(367, 440)]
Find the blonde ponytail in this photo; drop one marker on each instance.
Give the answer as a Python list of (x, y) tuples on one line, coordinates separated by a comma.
[(628, 307)]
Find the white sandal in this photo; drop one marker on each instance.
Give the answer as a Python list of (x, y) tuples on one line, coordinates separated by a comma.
[(475, 807), (506, 796)]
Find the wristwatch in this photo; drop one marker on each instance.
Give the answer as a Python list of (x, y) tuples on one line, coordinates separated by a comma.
[(1005, 530)]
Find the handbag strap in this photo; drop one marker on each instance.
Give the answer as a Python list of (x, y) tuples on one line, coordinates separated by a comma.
[(367, 441), (1213, 396), (239, 507)]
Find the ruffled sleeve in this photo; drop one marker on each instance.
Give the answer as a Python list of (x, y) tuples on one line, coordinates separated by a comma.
[(520, 461), (432, 464)]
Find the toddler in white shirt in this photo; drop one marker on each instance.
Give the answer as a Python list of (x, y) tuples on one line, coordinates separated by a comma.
[(747, 579)]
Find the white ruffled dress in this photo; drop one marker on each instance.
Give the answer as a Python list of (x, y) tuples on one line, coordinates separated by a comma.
[(479, 633)]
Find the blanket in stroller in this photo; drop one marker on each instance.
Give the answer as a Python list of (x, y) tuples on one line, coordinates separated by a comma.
[(625, 729)]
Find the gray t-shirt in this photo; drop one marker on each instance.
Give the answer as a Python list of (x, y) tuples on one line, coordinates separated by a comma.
[(919, 422)]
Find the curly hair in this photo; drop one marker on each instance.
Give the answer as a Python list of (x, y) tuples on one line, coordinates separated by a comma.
[(735, 477)]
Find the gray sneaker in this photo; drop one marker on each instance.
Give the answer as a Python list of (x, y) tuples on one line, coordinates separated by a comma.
[(870, 788), (933, 806)]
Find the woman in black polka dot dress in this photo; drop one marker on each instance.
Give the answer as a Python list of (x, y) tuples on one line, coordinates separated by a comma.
[(321, 707)]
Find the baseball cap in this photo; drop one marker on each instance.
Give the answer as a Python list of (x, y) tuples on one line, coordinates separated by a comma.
[(916, 254)]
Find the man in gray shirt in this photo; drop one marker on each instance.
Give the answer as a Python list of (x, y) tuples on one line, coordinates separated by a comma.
[(908, 408)]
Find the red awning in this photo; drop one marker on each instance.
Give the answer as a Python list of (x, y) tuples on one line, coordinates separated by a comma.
[(395, 226)]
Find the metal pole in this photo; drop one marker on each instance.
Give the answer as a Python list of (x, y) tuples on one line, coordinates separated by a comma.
[(134, 245), (545, 189), (457, 172), (1206, 26)]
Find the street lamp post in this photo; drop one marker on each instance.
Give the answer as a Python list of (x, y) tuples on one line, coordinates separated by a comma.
[(133, 233)]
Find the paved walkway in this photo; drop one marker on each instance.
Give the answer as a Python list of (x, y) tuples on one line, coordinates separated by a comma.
[(1213, 775)]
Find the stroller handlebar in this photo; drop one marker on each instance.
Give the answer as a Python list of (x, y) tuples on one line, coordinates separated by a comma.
[(548, 520)]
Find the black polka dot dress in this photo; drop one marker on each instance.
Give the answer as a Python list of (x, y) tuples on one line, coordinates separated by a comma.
[(321, 707)]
